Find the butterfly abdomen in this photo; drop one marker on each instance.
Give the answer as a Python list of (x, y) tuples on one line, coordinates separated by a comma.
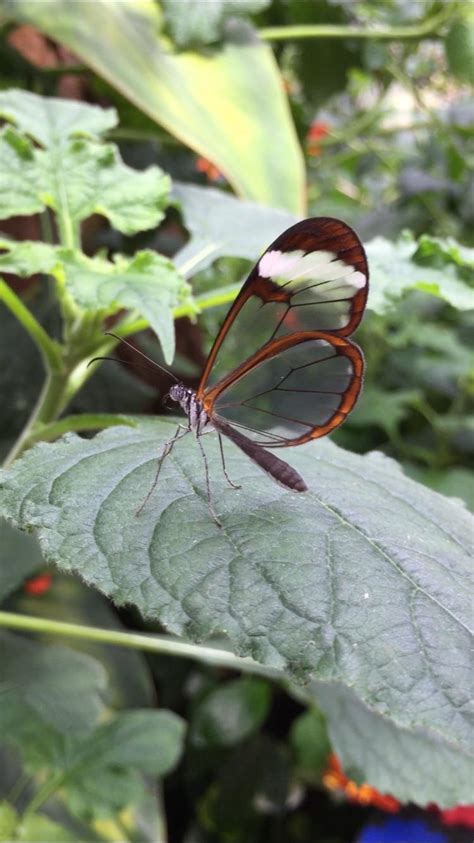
[(283, 473)]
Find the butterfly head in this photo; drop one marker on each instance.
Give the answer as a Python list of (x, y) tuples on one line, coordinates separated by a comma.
[(179, 392), (183, 396)]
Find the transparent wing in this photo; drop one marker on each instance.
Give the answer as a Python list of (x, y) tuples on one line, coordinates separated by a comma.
[(314, 277), (294, 389)]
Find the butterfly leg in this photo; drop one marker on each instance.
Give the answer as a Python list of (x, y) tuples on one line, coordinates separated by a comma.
[(221, 446), (208, 485), (168, 447)]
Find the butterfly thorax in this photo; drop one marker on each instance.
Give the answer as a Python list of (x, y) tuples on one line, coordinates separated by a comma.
[(197, 416)]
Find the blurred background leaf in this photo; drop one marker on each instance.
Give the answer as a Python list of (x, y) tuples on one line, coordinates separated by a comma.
[(209, 100)]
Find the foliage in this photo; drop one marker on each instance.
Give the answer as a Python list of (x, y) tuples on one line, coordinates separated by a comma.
[(360, 589)]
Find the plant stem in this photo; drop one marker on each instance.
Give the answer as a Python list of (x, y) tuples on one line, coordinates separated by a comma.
[(48, 347), (426, 27), (202, 302), (48, 405), (49, 787), (165, 645), (82, 421)]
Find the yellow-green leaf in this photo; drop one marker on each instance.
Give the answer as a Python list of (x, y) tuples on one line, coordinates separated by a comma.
[(228, 104)]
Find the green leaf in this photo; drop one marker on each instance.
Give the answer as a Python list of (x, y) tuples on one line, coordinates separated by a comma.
[(223, 226), (147, 283), (90, 178), (51, 120), (8, 822), (254, 778), (453, 482), (383, 408), (103, 772), (21, 180), (27, 257), (45, 687), (149, 741), (230, 713), (129, 681), (199, 22), (93, 179), (20, 556), (441, 251), (393, 270), (309, 739), (364, 580), (413, 764), (37, 827), (76, 179), (210, 101), (459, 45)]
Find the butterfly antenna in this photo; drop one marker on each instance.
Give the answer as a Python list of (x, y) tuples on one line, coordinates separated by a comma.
[(120, 360), (137, 351)]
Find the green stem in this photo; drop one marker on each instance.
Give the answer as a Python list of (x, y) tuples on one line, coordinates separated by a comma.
[(22, 781), (83, 421), (430, 26), (49, 348), (165, 645), (202, 302), (43, 794), (48, 405)]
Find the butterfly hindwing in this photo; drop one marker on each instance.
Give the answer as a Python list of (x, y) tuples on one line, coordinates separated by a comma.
[(295, 388)]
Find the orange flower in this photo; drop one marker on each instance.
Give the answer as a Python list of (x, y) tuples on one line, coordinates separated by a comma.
[(39, 584), (209, 169), (316, 132), (335, 779)]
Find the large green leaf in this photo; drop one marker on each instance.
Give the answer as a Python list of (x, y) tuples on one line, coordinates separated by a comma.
[(413, 764), (221, 225), (363, 580), (228, 105)]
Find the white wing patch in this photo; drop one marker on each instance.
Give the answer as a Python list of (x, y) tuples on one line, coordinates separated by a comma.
[(292, 268)]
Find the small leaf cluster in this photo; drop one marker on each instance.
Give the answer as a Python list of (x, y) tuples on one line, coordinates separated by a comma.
[(55, 162)]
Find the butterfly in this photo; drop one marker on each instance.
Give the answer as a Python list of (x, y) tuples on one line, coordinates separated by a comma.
[(299, 375)]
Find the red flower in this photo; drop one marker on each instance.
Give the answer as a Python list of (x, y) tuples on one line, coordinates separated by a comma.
[(39, 584), (209, 169), (459, 815), (316, 132)]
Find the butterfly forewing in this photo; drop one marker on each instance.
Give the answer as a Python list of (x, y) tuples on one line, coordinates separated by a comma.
[(300, 376), (312, 278)]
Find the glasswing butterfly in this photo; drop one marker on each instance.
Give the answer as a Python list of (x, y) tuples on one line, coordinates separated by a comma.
[(300, 375)]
